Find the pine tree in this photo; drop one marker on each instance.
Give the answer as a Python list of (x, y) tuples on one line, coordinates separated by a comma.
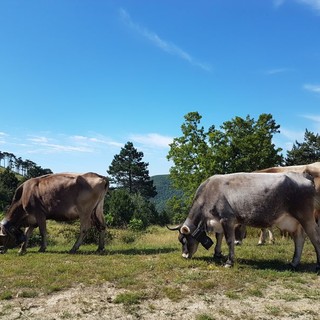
[(128, 171)]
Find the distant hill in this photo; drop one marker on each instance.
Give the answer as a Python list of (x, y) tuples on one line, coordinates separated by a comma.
[(164, 189)]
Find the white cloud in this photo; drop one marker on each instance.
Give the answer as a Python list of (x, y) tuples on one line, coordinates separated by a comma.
[(278, 3), (164, 45), (312, 87), (314, 4), (152, 140)]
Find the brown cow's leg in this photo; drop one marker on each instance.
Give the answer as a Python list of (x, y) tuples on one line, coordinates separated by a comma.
[(299, 239), (313, 232), (102, 236), (263, 236), (271, 236), (84, 228), (28, 233), (43, 232)]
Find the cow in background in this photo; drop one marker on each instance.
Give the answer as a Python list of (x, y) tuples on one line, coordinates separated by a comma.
[(60, 197), (313, 170), (254, 199)]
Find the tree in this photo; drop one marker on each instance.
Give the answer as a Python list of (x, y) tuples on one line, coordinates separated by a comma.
[(245, 145), (305, 152), (240, 145), (119, 208), (129, 172), (36, 171), (191, 154), (8, 185)]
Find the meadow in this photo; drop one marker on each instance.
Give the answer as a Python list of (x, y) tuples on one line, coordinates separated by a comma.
[(149, 278)]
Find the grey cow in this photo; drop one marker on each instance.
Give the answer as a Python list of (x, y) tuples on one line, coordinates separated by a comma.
[(260, 200)]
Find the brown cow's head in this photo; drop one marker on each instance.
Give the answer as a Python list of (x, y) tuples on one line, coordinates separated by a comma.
[(10, 236)]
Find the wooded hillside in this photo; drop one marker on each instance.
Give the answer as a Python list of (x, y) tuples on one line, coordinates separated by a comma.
[(164, 189)]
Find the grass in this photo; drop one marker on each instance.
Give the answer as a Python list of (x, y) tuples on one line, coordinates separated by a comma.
[(151, 267)]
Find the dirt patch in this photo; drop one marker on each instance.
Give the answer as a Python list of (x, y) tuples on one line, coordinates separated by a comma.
[(99, 302)]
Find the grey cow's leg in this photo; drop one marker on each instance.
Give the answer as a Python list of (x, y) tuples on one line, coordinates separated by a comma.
[(228, 228), (217, 249)]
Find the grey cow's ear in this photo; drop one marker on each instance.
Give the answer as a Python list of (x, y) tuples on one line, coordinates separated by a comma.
[(185, 229)]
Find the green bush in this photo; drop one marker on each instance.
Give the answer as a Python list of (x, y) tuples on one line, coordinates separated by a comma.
[(136, 224)]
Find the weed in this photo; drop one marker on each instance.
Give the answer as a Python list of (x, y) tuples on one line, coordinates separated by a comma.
[(204, 317), (174, 294), (6, 295), (274, 311), (129, 298)]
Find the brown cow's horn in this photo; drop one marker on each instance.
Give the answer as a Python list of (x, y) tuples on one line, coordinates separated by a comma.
[(175, 228)]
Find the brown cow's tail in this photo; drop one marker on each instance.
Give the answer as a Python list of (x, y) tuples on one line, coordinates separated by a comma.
[(96, 221)]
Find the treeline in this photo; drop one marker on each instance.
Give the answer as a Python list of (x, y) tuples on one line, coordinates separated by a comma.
[(25, 168), (241, 144)]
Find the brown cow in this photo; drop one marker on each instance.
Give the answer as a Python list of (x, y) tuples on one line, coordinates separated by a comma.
[(60, 197), (313, 170)]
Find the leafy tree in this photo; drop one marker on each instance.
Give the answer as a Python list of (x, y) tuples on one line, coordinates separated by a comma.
[(305, 152), (245, 145), (119, 208), (240, 145), (8, 185), (191, 154), (128, 171)]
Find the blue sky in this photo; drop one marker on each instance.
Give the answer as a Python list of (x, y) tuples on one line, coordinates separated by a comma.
[(79, 79)]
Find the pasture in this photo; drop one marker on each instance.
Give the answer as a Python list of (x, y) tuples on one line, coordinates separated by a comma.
[(143, 276)]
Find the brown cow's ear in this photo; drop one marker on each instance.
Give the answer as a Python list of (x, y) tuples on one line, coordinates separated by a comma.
[(185, 229), (2, 231)]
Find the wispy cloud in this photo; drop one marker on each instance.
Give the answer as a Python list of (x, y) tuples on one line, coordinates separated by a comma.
[(162, 44), (312, 87), (277, 71), (292, 134), (152, 140), (278, 3), (314, 118), (313, 4)]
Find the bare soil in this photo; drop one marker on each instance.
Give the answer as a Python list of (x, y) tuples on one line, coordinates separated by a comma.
[(98, 302)]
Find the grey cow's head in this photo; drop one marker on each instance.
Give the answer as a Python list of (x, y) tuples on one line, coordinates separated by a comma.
[(190, 236)]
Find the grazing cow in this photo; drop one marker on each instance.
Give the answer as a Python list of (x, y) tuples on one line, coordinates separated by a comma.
[(60, 197), (312, 169), (255, 199)]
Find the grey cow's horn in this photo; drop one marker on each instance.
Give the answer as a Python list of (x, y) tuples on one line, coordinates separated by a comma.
[(175, 228)]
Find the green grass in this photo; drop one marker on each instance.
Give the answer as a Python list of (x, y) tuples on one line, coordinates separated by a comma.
[(151, 267)]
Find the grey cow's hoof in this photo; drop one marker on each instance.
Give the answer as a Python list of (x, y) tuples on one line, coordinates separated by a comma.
[(228, 265)]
